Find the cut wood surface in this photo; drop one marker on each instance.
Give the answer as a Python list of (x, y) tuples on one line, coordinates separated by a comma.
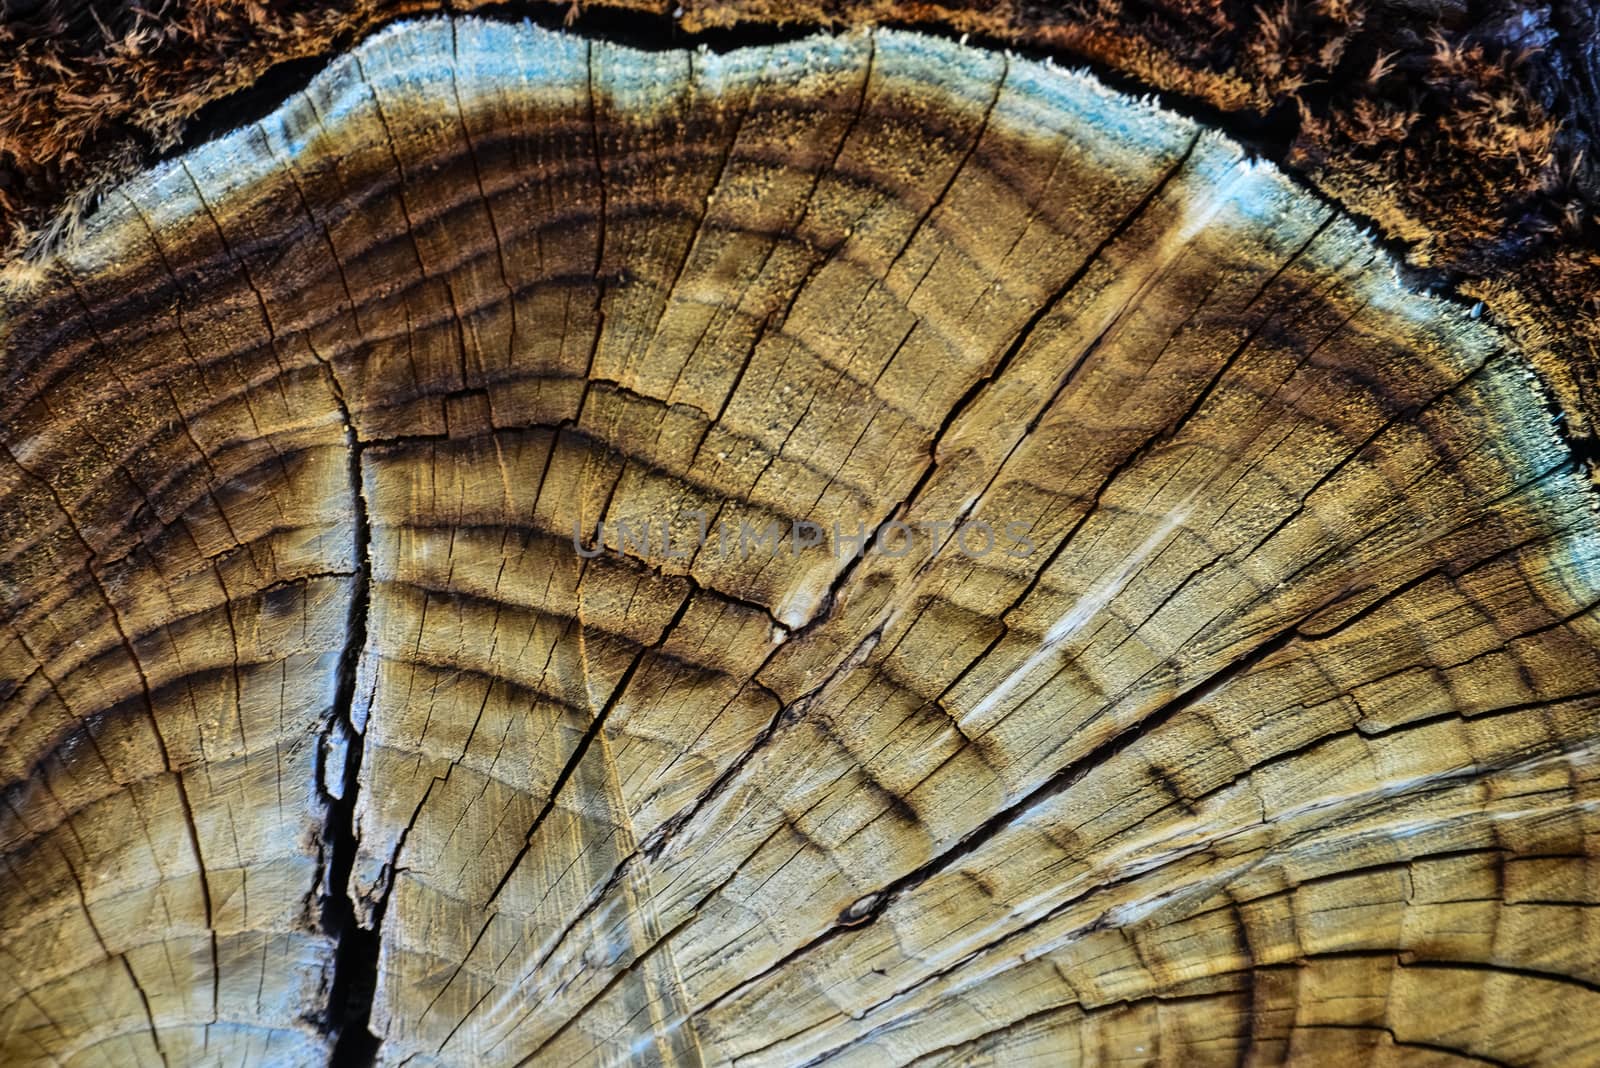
[(343, 718)]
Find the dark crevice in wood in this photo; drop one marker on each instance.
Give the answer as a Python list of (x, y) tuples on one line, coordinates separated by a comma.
[(1583, 447), (355, 965)]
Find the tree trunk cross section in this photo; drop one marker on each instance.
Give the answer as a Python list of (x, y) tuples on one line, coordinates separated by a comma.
[(1272, 738)]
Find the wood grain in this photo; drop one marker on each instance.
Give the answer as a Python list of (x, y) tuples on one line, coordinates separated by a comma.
[(1278, 747)]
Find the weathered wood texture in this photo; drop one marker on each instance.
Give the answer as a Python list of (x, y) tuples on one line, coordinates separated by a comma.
[(1280, 746), (1466, 132)]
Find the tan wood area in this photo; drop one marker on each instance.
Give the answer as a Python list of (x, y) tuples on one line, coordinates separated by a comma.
[(1272, 739)]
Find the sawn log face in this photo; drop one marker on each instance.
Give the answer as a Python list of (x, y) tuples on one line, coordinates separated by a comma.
[(1277, 742)]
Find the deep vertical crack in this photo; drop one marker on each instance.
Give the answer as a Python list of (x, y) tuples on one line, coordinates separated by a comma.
[(348, 1010), (355, 965)]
